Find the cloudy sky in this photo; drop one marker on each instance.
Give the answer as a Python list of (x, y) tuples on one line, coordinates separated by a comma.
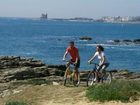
[(69, 8)]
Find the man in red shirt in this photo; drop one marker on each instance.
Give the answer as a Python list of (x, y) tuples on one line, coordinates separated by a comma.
[(75, 57), (74, 54)]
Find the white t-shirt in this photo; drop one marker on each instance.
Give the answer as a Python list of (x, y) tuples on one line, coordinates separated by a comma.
[(101, 56)]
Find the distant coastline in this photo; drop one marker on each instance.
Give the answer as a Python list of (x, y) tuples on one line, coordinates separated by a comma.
[(130, 20), (86, 20), (106, 19)]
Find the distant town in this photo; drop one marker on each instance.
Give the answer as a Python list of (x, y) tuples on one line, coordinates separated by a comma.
[(120, 19), (115, 19)]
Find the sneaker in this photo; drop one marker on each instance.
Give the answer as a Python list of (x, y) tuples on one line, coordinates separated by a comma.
[(95, 79), (78, 82), (91, 83)]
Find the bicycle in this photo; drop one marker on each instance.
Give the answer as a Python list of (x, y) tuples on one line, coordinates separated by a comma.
[(70, 76), (104, 77)]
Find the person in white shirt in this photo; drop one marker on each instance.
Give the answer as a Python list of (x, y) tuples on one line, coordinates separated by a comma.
[(103, 62)]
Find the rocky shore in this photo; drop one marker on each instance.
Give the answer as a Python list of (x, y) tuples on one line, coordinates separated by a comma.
[(16, 68)]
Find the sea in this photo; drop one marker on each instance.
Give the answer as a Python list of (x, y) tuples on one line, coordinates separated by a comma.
[(47, 40)]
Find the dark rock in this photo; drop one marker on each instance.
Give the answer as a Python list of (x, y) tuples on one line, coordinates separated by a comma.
[(25, 73), (117, 41), (60, 67), (33, 64), (137, 41), (85, 38), (127, 40)]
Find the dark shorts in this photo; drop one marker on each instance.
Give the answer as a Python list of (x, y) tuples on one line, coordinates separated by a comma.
[(77, 65), (102, 67)]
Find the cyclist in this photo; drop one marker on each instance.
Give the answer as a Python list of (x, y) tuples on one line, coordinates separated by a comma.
[(103, 62), (75, 57)]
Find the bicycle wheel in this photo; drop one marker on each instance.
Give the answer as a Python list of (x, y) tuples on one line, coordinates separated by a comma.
[(90, 78), (68, 80), (68, 77), (107, 77), (65, 78)]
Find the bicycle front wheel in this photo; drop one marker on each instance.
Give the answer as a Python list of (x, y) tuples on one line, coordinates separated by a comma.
[(90, 78)]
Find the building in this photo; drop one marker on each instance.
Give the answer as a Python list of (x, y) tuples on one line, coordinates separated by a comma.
[(44, 16)]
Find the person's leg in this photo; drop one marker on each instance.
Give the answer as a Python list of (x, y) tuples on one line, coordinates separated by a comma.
[(77, 74), (104, 67), (102, 70), (97, 74)]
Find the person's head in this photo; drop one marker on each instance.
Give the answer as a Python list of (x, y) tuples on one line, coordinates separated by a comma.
[(71, 43), (99, 48)]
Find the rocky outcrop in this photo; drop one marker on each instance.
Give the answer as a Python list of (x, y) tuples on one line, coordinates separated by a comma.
[(18, 68), (14, 62)]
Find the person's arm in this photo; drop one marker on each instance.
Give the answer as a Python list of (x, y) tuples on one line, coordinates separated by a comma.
[(65, 54), (92, 58)]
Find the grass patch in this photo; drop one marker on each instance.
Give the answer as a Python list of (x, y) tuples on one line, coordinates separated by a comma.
[(16, 103), (118, 90)]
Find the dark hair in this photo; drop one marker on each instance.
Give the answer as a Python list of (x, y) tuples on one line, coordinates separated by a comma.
[(100, 47), (71, 42)]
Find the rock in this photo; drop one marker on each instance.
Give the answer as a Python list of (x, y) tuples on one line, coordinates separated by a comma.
[(43, 85), (5, 93), (116, 41), (55, 83), (25, 73), (85, 38), (16, 91), (127, 40), (18, 68), (60, 67), (137, 41), (13, 67)]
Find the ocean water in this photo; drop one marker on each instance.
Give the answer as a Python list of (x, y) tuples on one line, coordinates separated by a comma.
[(47, 40)]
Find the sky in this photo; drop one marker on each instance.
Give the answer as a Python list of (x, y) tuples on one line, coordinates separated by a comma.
[(69, 8)]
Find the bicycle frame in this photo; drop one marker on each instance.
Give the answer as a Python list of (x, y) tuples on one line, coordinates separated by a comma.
[(70, 74), (104, 76)]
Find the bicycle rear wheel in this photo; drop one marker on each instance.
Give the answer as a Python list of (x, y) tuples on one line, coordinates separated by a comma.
[(107, 77), (90, 78)]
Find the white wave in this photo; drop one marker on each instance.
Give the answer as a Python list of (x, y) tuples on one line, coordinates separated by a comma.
[(51, 36), (110, 41)]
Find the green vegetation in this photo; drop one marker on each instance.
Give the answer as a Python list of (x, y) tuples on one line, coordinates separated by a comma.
[(16, 103), (118, 90)]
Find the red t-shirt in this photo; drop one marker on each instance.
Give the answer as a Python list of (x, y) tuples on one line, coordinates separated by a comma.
[(73, 51)]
